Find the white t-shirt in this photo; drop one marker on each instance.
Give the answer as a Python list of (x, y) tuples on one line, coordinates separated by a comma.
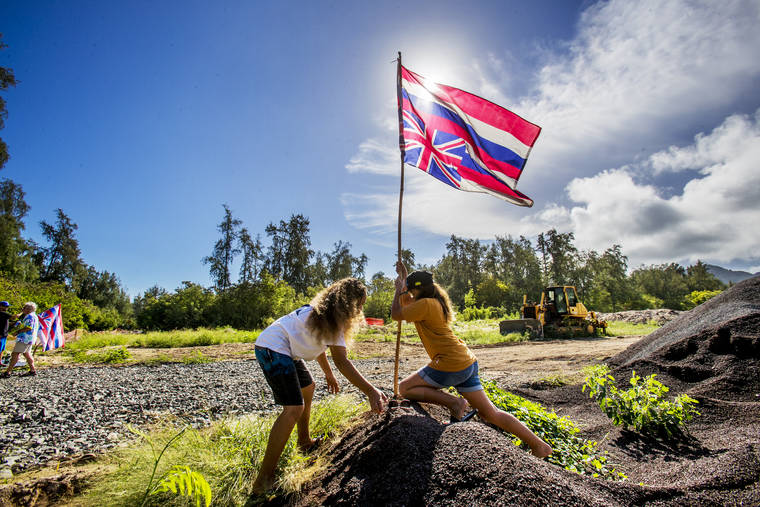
[(289, 335)]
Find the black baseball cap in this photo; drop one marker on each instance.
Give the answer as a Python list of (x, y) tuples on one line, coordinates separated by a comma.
[(419, 279)]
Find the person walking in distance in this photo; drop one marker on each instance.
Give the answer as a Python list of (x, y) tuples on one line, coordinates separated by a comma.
[(25, 336)]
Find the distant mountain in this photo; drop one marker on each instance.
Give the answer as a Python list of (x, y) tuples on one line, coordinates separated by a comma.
[(729, 275)]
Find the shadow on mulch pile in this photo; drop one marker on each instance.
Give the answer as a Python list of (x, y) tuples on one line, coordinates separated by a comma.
[(408, 456)]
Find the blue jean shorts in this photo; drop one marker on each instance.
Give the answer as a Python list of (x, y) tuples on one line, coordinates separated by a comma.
[(464, 381), (284, 375)]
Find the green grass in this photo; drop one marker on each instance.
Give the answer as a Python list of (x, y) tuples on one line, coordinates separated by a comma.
[(474, 332), (621, 328), (164, 339), (108, 356), (227, 454), (197, 358)]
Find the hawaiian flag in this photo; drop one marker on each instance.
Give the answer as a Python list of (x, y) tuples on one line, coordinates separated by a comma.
[(51, 328), (464, 140)]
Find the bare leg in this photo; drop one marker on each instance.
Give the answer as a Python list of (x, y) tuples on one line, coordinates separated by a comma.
[(304, 439), (278, 437), (415, 388), (30, 361), (12, 363), (488, 412)]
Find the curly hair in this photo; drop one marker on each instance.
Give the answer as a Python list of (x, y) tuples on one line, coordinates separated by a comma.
[(337, 308)]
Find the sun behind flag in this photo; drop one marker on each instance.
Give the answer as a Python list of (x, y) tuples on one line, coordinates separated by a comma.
[(464, 140)]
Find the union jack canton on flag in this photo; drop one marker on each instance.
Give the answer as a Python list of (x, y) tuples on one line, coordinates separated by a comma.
[(464, 140)]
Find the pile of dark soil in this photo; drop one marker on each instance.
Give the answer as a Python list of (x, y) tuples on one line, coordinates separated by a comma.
[(712, 351), (409, 456)]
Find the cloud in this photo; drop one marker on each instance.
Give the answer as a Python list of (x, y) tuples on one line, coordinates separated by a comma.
[(638, 79), (375, 157), (714, 217)]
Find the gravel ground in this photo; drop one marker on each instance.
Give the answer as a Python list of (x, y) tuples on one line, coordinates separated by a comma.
[(65, 412)]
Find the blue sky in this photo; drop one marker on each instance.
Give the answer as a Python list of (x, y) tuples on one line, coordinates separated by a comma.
[(140, 119)]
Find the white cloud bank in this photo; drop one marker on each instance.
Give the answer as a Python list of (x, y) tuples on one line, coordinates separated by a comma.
[(715, 217), (638, 76)]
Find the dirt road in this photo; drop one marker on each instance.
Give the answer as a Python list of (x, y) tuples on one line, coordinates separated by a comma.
[(516, 364)]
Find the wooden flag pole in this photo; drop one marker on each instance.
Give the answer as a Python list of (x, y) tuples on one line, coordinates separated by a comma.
[(400, 201)]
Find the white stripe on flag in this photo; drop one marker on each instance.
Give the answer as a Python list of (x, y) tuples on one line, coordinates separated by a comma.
[(485, 130)]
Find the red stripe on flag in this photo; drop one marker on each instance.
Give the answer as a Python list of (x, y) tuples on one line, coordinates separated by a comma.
[(484, 110)]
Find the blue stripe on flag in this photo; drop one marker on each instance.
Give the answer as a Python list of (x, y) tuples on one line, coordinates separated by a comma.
[(496, 151)]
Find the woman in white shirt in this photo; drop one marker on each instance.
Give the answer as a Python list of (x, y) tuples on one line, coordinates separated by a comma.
[(305, 334)]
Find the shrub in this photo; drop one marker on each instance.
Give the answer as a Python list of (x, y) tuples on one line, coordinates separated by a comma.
[(109, 356), (570, 451), (697, 297), (643, 406), (77, 313), (476, 313)]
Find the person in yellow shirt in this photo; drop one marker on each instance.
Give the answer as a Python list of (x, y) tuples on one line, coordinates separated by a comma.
[(420, 300)]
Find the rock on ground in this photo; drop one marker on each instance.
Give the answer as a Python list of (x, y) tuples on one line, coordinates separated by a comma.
[(659, 316), (65, 412)]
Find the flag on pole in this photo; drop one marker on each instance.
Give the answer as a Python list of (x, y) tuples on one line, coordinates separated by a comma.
[(51, 328), (464, 140)]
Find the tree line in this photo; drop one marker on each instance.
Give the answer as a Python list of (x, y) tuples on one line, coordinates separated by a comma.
[(254, 280)]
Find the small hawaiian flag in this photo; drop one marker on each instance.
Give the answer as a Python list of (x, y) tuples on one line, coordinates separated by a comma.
[(464, 140), (51, 328)]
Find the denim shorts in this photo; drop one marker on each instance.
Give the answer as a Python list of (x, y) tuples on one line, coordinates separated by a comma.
[(284, 375), (465, 381)]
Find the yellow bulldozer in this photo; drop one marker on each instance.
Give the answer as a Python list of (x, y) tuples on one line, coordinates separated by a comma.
[(559, 314)]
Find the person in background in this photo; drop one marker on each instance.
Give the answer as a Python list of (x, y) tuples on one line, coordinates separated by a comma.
[(5, 321), (25, 336)]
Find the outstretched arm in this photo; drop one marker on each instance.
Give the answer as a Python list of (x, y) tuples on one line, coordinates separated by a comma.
[(377, 399), (332, 382)]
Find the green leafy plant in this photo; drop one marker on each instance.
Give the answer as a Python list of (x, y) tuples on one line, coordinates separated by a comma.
[(184, 481), (642, 407), (108, 356), (197, 358), (570, 451)]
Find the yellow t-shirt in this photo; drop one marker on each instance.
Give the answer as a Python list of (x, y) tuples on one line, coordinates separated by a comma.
[(446, 351)]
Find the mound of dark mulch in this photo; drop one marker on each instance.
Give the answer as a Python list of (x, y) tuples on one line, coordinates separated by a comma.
[(712, 351), (408, 457)]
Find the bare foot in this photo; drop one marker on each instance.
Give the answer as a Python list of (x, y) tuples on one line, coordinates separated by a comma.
[(306, 445), (541, 450), (310, 445), (460, 409)]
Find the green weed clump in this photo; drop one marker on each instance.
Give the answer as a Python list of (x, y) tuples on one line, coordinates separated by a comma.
[(197, 358), (570, 451), (109, 356), (642, 407), (622, 328), (227, 454), (166, 339)]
